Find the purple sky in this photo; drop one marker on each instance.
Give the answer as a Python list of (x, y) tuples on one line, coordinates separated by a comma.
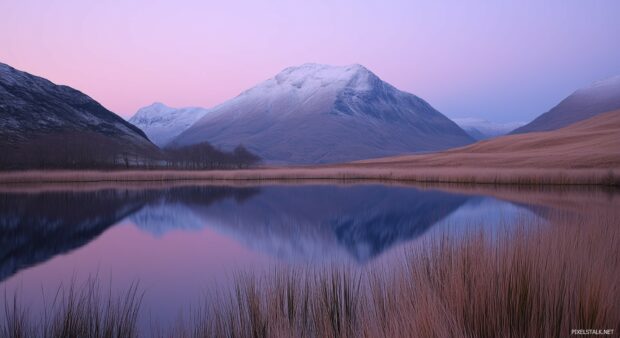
[(498, 60)]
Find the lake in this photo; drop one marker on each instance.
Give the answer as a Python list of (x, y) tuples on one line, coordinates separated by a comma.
[(181, 240)]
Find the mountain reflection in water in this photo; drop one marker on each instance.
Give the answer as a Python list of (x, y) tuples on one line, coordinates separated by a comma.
[(290, 222)]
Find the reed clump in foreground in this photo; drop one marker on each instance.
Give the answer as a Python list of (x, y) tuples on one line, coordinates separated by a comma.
[(535, 282), (76, 311), (538, 281)]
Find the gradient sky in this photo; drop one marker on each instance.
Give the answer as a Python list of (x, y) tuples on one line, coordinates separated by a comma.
[(498, 60)]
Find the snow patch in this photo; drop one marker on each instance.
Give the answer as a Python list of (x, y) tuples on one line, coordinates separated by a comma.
[(162, 123)]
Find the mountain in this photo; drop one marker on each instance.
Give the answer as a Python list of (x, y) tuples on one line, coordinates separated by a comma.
[(36, 226), (45, 124), (600, 97), (320, 114), (290, 222), (162, 123), (592, 143), (480, 129)]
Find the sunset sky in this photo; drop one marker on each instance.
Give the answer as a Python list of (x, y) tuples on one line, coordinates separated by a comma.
[(498, 60)]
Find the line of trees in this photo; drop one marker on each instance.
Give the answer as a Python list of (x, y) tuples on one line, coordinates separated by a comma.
[(205, 156), (80, 150)]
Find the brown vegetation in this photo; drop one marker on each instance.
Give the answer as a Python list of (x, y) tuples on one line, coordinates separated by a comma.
[(586, 153), (593, 143), (541, 280), (90, 150), (386, 174), (76, 311), (536, 282)]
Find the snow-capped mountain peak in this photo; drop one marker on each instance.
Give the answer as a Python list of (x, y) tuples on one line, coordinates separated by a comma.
[(319, 114), (148, 114), (312, 76), (162, 123)]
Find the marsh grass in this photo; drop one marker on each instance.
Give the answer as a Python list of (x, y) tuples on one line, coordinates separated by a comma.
[(535, 281), (337, 173), (538, 281), (76, 311)]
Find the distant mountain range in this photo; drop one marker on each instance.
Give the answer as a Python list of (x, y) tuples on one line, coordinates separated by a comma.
[(293, 223), (321, 114), (600, 97), (307, 114), (162, 123), (41, 122), (481, 129), (48, 126)]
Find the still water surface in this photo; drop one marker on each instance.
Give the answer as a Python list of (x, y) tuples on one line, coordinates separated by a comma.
[(179, 241)]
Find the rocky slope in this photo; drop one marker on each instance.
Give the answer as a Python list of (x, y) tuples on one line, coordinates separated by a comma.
[(41, 122), (320, 114)]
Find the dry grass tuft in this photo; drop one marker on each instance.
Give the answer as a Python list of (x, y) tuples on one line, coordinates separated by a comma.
[(76, 311), (541, 280), (535, 282)]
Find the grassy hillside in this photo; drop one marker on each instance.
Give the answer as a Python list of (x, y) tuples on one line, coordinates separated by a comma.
[(593, 143), (586, 153)]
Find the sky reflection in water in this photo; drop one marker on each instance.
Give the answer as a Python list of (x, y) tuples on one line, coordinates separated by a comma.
[(177, 241)]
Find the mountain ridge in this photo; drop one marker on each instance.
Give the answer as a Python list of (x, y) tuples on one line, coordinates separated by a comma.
[(320, 114), (163, 123), (45, 124), (586, 102)]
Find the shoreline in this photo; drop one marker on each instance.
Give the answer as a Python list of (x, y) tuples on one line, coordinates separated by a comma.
[(463, 175)]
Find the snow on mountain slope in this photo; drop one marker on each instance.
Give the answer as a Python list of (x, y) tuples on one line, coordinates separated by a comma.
[(320, 114), (162, 123), (481, 129), (54, 120), (600, 97), (31, 104), (304, 222)]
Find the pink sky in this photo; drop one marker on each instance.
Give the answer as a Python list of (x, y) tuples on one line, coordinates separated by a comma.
[(502, 62)]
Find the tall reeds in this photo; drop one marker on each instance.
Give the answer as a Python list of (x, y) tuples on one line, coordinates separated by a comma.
[(76, 311), (540, 280)]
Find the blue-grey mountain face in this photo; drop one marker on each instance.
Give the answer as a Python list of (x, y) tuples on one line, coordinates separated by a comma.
[(321, 114), (35, 227), (480, 129), (162, 123), (600, 97), (327, 222), (39, 116), (294, 223)]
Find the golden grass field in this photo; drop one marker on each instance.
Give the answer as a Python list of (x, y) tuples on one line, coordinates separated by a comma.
[(585, 153), (593, 143)]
